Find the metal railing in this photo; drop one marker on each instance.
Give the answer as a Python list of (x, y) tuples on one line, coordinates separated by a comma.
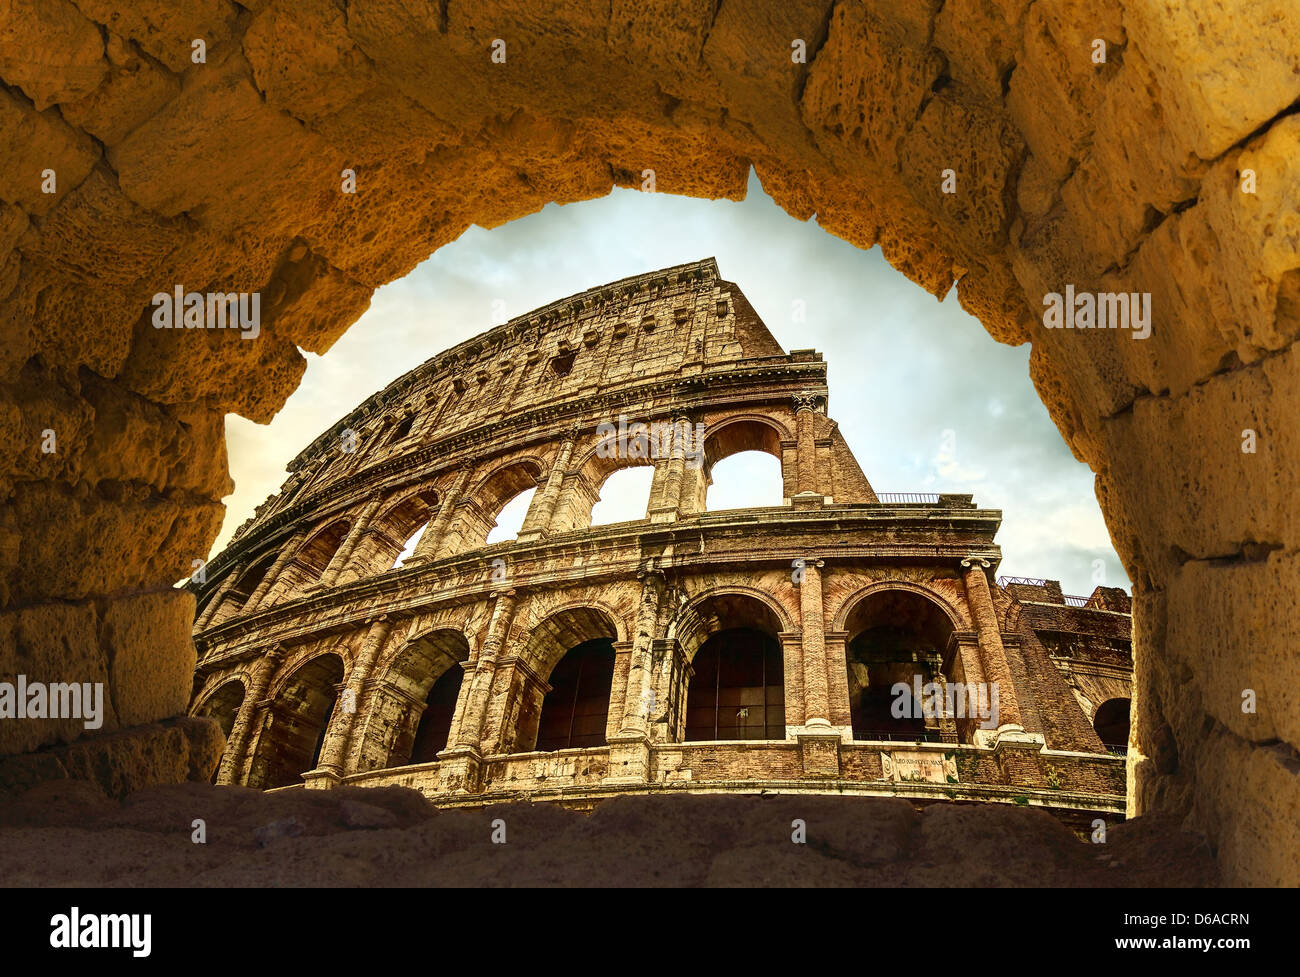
[(928, 498), (1115, 749), (1028, 581), (894, 736)]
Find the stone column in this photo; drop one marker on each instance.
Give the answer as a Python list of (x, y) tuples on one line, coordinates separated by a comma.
[(672, 498), (636, 701), (350, 542), (427, 547), (287, 553), (334, 751), (542, 510), (805, 419), (618, 688), (993, 656), (233, 760), (813, 627), (471, 726), (222, 591), (629, 748)]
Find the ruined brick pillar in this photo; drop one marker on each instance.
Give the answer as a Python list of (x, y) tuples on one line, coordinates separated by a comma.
[(537, 522), (427, 547), (349, 543), (837, 680), (471, 726), (233, 761), (673, 480), (993, 657), (334, 750), (816, 699), (287, 553)]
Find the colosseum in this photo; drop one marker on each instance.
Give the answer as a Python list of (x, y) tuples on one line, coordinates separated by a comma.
[(361, 630)]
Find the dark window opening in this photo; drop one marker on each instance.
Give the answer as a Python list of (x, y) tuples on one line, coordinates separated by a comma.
[(1111, 723), (435, 721), (738, 690), (562, 365), (576, 710), (878, 660)]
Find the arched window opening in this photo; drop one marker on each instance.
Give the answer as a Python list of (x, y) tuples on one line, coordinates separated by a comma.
[(435, 722), (738, 689), (511, 517), (624, 496), (745, 480), (576, 710), (1111, 721), (315, 556), (899, 639), (223, 706), (294, 729), (402, 429), (236, 599), (408, 548), (427, 670)]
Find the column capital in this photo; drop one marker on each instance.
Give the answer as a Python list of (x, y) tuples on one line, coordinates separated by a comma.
[(808, 400), (976, 561)]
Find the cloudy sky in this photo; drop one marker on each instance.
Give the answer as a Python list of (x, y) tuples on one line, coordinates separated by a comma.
[(926, 399)]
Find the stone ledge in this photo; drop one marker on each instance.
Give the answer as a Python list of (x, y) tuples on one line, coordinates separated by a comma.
[(170, 752)]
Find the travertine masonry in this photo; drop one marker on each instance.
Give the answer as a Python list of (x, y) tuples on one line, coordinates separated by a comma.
[(1127, 174)]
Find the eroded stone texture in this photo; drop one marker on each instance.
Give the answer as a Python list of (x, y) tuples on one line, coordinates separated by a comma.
[(1130, 177)]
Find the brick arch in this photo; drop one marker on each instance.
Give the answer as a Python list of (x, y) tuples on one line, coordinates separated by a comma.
[(397, 520), (397, 703), (573, 622), (303, 701), (744, 432), (1049, 194), (956, 616), (691, 630), (220, 698), (737, 433)]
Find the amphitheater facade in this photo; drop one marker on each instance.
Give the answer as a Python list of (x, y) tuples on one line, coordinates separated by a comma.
[(746, 650)]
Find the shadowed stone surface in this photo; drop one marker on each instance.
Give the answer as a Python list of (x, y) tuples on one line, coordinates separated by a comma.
[(394, 837)]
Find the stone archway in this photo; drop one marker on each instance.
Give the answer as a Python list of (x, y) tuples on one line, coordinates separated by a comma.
[(1129, 175)]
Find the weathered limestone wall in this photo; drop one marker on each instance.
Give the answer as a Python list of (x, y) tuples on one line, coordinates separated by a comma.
[(225, 175)]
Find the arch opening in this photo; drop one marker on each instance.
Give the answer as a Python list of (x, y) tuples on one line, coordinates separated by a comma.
[(294, 727), (896, 667), (223, 706), (427, 670), (575, 712), (624, 496), (745, 480), (1111, 721)]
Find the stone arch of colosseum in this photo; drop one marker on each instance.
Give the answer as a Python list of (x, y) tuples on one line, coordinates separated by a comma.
[(1122, 176), (957, 617)]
